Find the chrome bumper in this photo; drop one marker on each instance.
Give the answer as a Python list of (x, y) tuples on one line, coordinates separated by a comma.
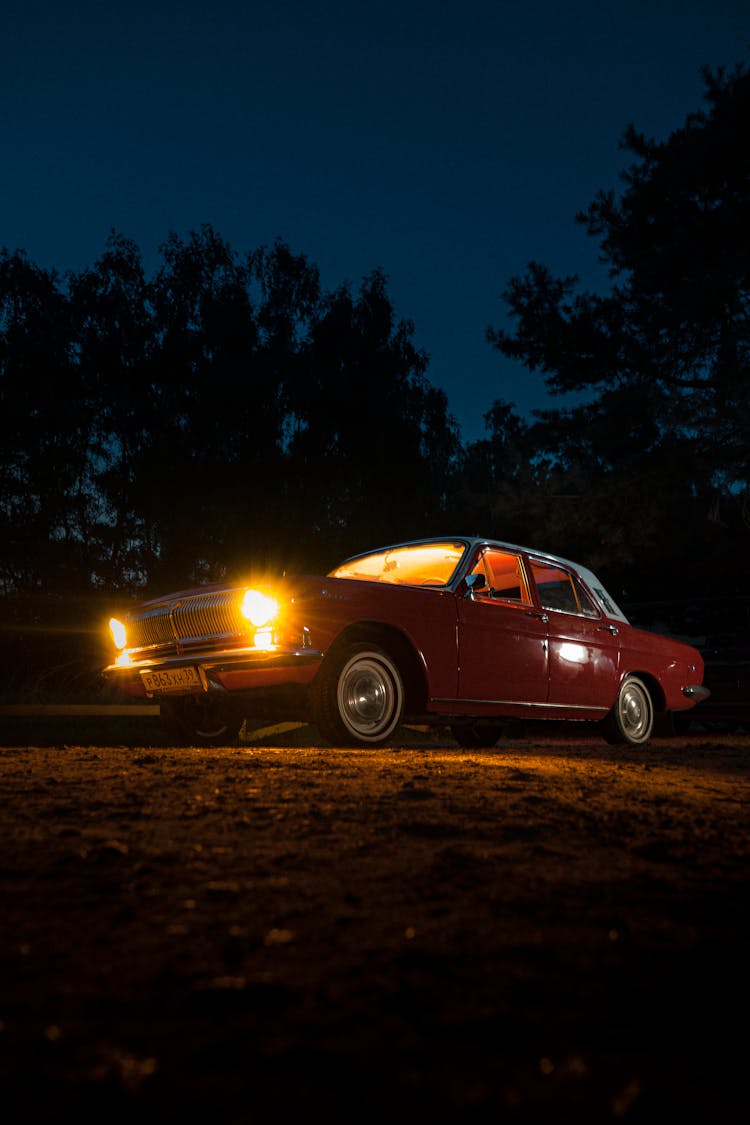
[(234, 659), (696, 692)]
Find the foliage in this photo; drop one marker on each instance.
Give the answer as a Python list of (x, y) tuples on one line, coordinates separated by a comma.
[(225, 416), (663, 356)]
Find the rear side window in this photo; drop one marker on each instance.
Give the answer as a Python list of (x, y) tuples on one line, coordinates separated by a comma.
[(561, 590)]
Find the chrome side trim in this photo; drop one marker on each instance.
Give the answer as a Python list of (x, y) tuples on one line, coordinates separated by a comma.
[(524, 703)]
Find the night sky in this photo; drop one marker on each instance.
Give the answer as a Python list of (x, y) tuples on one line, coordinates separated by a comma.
[(445, 143)]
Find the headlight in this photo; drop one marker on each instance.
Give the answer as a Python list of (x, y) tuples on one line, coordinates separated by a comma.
[(258, 608), (119, 634)]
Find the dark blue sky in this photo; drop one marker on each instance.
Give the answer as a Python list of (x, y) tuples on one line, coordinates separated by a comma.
[(446, 143)]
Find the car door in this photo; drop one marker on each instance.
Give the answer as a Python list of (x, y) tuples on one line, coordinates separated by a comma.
[(502, 637), (584, 647)]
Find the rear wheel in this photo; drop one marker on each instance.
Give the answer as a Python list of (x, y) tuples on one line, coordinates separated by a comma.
[(199, 720), (631, 720), (358, 697)]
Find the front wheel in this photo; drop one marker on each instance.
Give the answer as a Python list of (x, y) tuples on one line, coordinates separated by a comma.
[(359, 697), (204, 720), (631, 720)]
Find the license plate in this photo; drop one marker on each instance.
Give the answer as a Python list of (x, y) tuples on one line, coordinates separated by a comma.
[(176, 681)]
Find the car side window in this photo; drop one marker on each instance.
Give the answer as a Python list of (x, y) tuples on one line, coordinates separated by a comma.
[(558, 589), (505, 577)]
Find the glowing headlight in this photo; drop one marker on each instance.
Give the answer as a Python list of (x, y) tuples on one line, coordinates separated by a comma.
[(119, 635), (258, 608)]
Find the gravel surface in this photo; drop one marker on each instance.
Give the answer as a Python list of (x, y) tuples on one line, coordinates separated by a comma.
[(553, 930)]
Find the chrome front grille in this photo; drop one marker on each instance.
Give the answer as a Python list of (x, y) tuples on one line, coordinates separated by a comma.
[(152, 628), (211, 617), (208, 615)]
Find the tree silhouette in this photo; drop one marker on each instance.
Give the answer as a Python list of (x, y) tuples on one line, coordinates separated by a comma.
[(45, 433), (372, 447), (663, 355), (111, 331)]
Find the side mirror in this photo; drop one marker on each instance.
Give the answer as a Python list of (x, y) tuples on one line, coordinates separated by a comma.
[(475, 582)]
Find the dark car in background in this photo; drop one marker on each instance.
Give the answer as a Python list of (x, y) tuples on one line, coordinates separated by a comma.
[(719, 627)]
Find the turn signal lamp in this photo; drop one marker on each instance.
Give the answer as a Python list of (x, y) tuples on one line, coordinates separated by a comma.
[(263, 639), (119, 634)]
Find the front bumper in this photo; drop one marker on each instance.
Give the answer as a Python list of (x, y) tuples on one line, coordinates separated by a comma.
[(235, 669)]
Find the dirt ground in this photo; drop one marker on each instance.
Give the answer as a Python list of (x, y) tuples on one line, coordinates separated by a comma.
[(552, 930)]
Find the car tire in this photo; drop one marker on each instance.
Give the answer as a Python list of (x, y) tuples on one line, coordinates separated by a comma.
[(194, 720), (631, 720), (358, 697), (475, 736)]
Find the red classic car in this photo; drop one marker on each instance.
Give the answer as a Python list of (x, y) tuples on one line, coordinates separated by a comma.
[(464, 632)]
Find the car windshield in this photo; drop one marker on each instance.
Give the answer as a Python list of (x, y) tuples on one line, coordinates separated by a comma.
[(420, 564)]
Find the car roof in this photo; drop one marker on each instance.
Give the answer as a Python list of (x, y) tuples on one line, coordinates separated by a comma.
[(605, 600)]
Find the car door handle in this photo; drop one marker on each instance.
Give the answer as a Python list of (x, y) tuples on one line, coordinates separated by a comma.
[(535, 613), (609, 629)]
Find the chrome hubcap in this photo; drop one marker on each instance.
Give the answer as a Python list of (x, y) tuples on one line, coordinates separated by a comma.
[(367, 698), (634, 712)]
